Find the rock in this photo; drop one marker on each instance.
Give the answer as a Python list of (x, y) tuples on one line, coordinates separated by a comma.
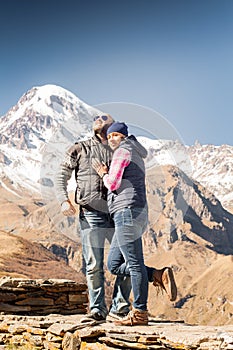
[(41, 297), (70, 341), (53, 331)]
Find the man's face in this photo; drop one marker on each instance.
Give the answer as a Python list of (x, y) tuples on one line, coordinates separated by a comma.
[(114, 140), (102, 122)]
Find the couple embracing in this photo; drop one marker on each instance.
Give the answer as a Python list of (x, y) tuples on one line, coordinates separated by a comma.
[(111, 193)]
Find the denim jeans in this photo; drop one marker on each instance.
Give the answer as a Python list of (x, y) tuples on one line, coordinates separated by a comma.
[(126, 253), (96, 227)]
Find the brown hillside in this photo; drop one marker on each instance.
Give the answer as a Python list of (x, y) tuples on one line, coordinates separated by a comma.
[(204, 280), (182, 210), (21, 258), (189, 230)]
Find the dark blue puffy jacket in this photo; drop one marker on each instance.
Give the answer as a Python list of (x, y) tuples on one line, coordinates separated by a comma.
[(132, 191)]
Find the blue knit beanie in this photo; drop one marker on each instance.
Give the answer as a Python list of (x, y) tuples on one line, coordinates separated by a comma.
[(118, 127)]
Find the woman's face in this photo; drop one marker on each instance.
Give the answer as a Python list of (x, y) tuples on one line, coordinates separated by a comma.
[(114, 140)]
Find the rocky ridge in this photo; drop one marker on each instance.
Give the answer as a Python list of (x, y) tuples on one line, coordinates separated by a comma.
[(47, 314), (68, 333), (189, 230), (182, 209), (43, 116), (49, 118), (212, 166)]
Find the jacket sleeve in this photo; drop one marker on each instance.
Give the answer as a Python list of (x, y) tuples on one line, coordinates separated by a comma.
[(121, 159), (70, 162)]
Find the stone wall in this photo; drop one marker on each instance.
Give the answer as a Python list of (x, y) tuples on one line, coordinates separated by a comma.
[(42, 297), (47, 314)]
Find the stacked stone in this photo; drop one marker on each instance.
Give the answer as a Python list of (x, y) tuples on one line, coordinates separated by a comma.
[(42, 297), (55, 332), (46, 314)]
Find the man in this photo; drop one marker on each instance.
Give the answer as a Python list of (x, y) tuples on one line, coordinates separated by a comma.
[(127, 204), (95, 223)]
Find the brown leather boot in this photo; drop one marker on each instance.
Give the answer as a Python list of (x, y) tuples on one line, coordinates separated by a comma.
[(134, 318), (164, 280)]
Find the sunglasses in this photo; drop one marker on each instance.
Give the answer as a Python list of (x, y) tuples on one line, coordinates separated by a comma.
[(103, 117)]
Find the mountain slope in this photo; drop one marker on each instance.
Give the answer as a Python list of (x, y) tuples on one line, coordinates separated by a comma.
[(213, 168), (189, 228), (35, 133), (210, 165), (21, 258), (204, 285), (182, 209), (46, 119)]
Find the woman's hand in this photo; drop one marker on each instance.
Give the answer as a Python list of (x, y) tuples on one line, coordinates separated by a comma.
[(99, 167)]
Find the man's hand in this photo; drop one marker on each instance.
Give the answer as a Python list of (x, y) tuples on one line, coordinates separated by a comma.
[(67, 208), (100, 168)]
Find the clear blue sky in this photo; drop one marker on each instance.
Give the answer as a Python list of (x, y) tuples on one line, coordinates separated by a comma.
[(173, 56)]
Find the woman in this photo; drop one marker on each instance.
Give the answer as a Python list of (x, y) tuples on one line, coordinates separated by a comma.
[(128, 207)]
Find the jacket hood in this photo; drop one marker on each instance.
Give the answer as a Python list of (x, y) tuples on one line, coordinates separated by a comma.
[(136, 145)]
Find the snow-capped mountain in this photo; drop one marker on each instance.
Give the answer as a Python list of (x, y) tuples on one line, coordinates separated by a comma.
[(39, 112), (45, 119), (167, 152), (35, 133), (210, 165)]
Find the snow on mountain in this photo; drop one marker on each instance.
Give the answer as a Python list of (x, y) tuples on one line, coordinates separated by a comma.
[(164, 152), (210, 165), (213, 168), (46, 119), (35, 133), (40, 112)]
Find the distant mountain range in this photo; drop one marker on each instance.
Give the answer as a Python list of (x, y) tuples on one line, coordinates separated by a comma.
[(46, 120), (190, 197)]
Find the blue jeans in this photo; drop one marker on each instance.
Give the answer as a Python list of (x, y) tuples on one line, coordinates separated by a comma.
[(126, 253), (95, 228)]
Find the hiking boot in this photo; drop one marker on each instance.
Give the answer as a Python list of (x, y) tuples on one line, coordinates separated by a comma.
[(95, 316), (113, 316), (134, 318), (164, 280)]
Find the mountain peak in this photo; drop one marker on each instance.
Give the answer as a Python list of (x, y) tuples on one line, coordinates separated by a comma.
[(43, 115), (53, 116), (38, 112)]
